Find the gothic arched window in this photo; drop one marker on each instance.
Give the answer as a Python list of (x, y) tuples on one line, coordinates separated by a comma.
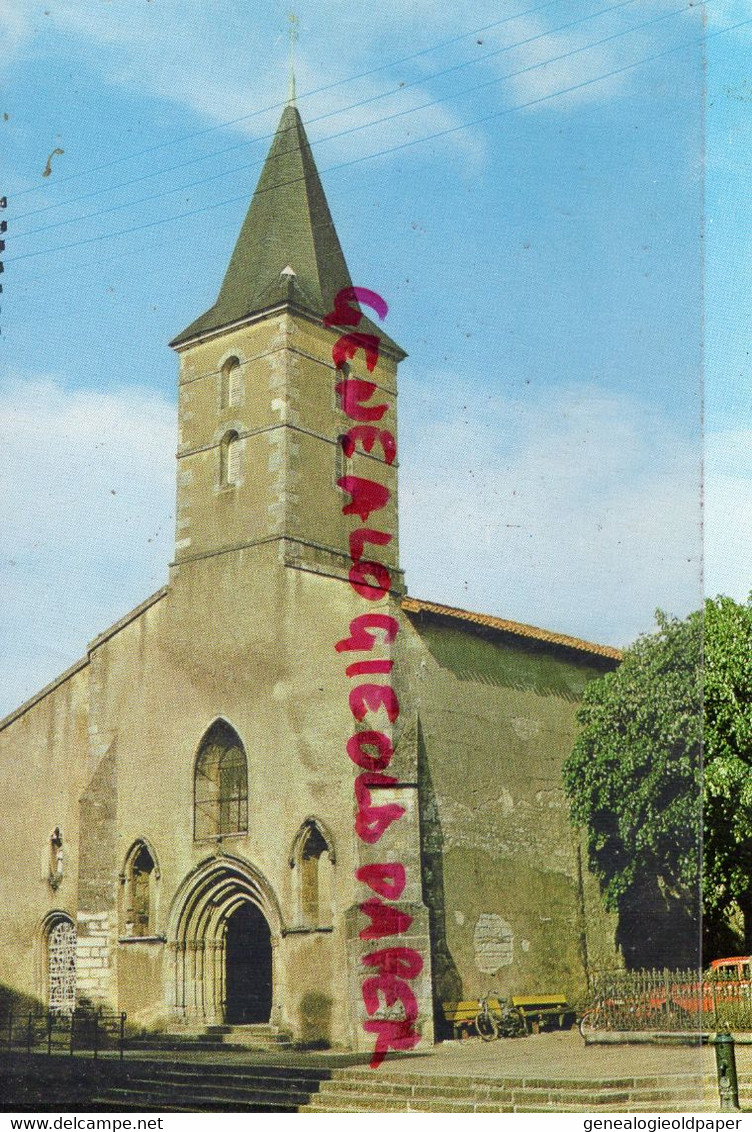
[(60, 948), (229, 459), (313, 861), (231, 383), (139, 895), (220, 784)]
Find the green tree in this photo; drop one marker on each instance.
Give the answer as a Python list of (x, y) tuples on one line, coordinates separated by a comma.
[(633, 780), (670, 729), (727, 780)]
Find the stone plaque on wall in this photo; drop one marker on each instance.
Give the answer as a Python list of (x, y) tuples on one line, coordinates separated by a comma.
[(493, 942)]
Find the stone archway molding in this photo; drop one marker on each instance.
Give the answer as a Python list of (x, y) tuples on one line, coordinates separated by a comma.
[(201, 907), (310, 823)]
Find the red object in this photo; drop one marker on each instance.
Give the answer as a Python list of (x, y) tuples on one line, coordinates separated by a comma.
[(365, 496), (377, 739), (342, 314), (353, 393), (368, 435), (347, 346), (387, 880), (380, 579), (361, 536), (371, 697), (362, 641)]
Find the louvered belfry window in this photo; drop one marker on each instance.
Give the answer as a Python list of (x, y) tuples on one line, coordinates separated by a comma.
[(233, 460), (221, 784), (232, 385), (229, 460)]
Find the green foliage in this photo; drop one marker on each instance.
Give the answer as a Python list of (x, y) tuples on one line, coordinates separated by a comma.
[(727, 874), (633, 778), (638, 770)]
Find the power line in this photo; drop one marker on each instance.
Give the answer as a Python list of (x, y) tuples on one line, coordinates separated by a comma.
[(311, 121), (26, 282), (380, 121), (404, 145), (300, 97)]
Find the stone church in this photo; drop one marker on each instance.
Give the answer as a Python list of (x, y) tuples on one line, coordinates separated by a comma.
[(179, 831)]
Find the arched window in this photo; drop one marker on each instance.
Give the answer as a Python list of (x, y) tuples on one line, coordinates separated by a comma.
[(229, 459), (232, 388), (139, 894), (220, 784), (313, 861), (342, 463), (60, 948)]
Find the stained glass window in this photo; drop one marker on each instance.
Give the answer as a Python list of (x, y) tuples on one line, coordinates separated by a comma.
[(221, 784), (61, 965)]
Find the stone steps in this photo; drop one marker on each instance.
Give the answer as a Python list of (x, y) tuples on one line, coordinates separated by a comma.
[(355, 1090), (168, 1100), (164, 1087), (240, 1085), (215, 1039), (259, 1036), (263, 1091), (165, 1100)]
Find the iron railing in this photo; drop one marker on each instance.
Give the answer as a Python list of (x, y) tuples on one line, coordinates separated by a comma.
[(668, 1001), (83, 1030)]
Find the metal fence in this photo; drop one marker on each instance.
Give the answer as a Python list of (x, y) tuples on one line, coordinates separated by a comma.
[(84, 1030), (669, 1001)]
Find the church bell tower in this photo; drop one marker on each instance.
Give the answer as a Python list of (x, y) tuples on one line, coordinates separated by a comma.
[(259, 451)]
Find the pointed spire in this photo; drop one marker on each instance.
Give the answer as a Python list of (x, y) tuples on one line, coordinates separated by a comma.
[(288, 226), (287, 251)]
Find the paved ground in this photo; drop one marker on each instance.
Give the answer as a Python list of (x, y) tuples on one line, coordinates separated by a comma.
[(559, 1056), (553, 1056), (549, 1059)]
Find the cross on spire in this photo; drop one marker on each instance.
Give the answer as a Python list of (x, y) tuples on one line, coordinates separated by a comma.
[(293, 39)]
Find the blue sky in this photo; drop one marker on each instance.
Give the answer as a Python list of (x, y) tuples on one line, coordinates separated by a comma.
[(528, 197)]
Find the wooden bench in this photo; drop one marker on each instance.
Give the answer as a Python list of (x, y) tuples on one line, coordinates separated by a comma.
[(538, 1009), (462, 1015)]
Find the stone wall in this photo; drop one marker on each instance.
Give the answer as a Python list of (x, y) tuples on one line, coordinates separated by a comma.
[(511, 908), (43, 769)]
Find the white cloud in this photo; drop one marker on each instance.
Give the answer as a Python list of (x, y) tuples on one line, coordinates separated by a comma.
[(408, 118), (211, 62), (728, 513), (575, 510), (725, 13), (545, 57), (552, 61), (86, 523), (224, 64), (15, 29)]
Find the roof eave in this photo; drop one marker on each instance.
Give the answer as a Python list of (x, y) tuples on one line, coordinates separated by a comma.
[(186, 339), (516, 629)]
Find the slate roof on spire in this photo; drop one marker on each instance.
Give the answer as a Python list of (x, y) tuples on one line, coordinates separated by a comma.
[(288, 226)]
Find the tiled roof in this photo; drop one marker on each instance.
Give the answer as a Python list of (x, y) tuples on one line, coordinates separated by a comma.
[(516, 628)]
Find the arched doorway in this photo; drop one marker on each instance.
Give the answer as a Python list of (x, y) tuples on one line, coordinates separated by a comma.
[(223, 931), (248, 966)]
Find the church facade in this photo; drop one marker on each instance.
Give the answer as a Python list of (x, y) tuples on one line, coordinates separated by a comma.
[(198, 824)]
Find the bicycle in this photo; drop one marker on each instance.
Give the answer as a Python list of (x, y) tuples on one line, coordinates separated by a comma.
[(497, 1019), (591, 1021)]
